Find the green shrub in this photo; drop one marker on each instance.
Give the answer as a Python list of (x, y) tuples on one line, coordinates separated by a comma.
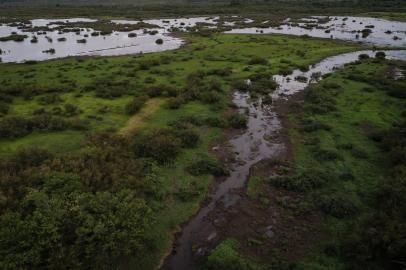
[(206, 165), (188, 136), (304, 181), (240, 85), (174, 103), (256, 60), (237, 120), (135, 105), (226, 256), (160, 144), (337, 205)]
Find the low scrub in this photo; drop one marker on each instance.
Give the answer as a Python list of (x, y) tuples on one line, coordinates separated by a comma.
[(206, 165), (237, 120), (135, 105), (304, 181)]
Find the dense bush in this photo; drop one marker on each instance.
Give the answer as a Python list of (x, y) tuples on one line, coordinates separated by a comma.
[(108, 88), (135, 105), (75, 229), (74, 211), (237, 120), (263, 86), (49, 99), (174, 103), (256, 60), (304, 181), (188, 136), (161, 145), (16, 126), (206, 165), (337, 205), (240, 85), (227, 256), (4, 108), (320, 99)]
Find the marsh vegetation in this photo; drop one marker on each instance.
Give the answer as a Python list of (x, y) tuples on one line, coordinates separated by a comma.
[(102, 159)]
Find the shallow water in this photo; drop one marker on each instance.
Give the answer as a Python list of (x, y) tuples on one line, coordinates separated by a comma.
[(250, 148), (343, 28), (288, 85), (117, 43)]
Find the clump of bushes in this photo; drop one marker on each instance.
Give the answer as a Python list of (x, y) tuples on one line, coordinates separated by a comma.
[(159, 144), (206, 165), (174, 103), (240, 85), (188, 136), (108, 88), (49, 99), (237, 120), (337, 205), (227, 256), (256, 60), (363, 56), (4, 108), (320, 99), (16, 126), (304, 181), (135, 105), (163, 145)]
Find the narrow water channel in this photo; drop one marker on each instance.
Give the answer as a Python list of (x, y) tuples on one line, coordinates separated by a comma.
[(250, 147)]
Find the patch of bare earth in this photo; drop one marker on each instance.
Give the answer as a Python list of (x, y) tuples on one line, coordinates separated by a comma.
[(150, 107)]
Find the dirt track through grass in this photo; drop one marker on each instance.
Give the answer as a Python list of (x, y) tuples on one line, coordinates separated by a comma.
[(134, 122)]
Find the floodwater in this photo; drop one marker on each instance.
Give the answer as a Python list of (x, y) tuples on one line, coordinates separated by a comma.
[(119, 43), (250, 147), (383, 32)]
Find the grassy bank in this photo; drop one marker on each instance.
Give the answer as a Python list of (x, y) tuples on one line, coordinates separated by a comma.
[(346, 169)]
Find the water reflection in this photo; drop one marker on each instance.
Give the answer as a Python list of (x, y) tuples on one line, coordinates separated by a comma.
[(380, 32)]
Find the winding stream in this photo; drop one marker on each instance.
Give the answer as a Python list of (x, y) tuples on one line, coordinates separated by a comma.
[(250, 147)]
